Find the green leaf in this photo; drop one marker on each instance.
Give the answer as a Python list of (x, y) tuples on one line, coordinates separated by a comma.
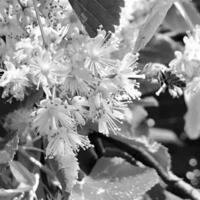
[(93, 13), (115, 180), (152, 22), (158, 50), (9, 150), (21, 174), (176, 22), (28, 182)]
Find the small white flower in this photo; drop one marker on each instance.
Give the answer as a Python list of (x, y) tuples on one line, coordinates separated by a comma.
[(51, 116), (107, 113), (127, 75), (79, 109), (64, 143), (14, 81), (192, 44), (99, 51), (45, 71), (193, 86), (189, 68), (26, 50), (78, 81)]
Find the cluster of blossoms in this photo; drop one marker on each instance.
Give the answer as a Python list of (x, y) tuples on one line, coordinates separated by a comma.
[(187, 62), (81, 80)]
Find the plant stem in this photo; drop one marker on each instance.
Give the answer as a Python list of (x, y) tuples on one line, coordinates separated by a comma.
[(179, 6), (33, 149), (36, 162), (40, 25)]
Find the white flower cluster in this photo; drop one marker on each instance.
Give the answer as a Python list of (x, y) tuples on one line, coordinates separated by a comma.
[(81, 80), (188, 61)]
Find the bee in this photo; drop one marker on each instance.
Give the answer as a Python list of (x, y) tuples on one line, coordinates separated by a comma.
[(170, 78), (167, 78)]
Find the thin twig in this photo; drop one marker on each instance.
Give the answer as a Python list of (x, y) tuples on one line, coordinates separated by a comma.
[(33, 149), (114, 152), (36, 139), (40, 24)]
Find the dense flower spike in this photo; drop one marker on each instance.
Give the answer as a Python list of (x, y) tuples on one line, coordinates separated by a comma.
[(82, 80)]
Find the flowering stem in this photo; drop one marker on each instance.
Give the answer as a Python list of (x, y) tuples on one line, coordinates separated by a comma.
[(40, 25), (179, 6)]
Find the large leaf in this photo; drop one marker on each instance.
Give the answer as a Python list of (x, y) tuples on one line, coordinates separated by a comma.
[(177, 23), (115, 180), (9, 150), (93, 13), (158, 50), (137, 148), (21, 174), (152, 22), (28, 182)]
